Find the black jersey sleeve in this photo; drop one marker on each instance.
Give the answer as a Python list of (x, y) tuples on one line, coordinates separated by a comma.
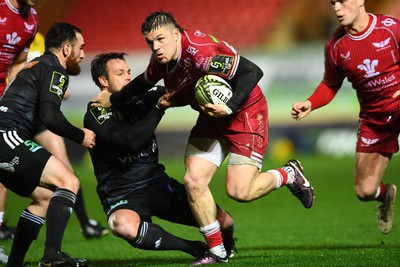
[(52, 117), (137, 86), (246, 78), (108, 126)]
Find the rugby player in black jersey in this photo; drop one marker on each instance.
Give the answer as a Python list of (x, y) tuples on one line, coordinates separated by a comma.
[(132, 184), (32, 99)]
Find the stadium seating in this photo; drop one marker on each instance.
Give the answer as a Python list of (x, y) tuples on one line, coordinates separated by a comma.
[(115, 25)]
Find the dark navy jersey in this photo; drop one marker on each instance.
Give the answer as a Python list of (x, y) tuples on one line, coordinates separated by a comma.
[(34, 98), (125, 158)]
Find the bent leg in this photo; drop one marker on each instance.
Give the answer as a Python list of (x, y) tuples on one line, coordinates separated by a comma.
[(368, 174), (127, 225), (245, 183)]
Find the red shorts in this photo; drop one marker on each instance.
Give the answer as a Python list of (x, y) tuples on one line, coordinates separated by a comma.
[(378, 133), (246, 130)]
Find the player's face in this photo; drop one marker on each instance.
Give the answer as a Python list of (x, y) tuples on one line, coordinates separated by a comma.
[(76, 56), (119, 74), (164, 43), (347, 11)]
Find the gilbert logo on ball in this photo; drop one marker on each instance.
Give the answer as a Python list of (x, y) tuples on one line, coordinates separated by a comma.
[(212, 89)]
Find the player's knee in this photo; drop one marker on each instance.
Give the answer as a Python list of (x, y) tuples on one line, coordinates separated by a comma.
[(194, 185), (124, 227), (72, 183), (365, 192), (238, 194)]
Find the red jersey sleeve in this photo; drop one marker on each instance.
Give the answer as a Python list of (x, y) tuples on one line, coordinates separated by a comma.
[(322, 96)]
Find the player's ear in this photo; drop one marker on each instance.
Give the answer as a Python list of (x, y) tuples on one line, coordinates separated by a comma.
[(103, 81), (177, 34), (66, 49)]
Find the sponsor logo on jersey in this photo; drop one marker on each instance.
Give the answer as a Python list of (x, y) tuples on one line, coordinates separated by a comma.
[(3, 109), (192, 50), (382, 45), (119, 203), (101, 114), (12, 39), (31, 64), (199, 34), (388, 22), (346, 56), (369, 67), (220, 64), (29, 27), (381, 83), (368, 142), (9, 167), (59, 84), (145, 152), (33, 147)]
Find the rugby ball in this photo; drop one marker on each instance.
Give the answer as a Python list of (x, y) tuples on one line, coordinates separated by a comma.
[(212, 89)]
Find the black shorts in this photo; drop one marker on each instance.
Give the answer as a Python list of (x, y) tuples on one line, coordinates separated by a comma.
[(165, 199), (21, 163)]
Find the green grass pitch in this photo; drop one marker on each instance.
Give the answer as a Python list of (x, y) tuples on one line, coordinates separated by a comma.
[(276, 230)]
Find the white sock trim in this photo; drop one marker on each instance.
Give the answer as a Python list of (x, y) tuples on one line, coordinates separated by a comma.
[(278, 177)]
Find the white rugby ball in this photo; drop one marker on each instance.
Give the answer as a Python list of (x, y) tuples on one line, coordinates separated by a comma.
[(212, 89)]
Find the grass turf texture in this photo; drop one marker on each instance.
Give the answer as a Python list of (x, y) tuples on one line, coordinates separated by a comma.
[(276, 230)]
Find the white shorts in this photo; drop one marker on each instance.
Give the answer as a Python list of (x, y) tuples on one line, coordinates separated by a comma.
[(215, 151)]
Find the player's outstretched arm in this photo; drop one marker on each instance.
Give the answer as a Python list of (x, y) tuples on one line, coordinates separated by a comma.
[(301, 109), (397, 94)]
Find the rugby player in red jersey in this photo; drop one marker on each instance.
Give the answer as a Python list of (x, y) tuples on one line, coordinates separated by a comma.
[(365, 50), (240, 129)]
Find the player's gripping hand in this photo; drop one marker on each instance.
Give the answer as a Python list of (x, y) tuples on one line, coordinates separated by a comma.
[(165, 102), (301, 109), (215, 110), (89, 141), (102, 99), (397, 94)]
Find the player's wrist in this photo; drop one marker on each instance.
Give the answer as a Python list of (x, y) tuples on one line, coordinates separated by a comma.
[(228, 110)]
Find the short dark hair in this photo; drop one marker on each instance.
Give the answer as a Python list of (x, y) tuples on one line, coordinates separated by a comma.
[(59, 33), (157, 19), (98, 66)]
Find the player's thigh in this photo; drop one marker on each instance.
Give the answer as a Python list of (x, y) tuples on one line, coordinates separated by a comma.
[(241, 177), (370, 168), (202, 159), (54, 144), (57, 175), (22, 165)]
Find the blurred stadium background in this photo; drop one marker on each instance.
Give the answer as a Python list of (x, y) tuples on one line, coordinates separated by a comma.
[(285, 38)]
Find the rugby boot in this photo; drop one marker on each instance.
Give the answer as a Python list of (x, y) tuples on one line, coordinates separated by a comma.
[(386, 210), (301, 187)]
